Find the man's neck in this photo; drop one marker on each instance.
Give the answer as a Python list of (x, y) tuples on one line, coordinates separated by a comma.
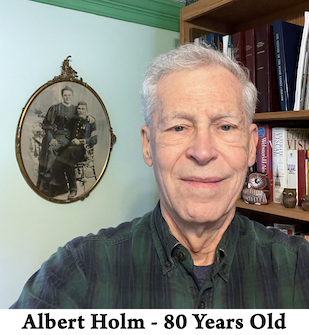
[(201, 239)]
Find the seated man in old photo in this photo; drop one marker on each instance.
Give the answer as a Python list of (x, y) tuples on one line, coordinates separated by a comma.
[(193, 250)]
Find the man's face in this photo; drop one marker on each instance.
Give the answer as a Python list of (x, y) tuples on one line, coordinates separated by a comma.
[(199, 144), (82, 111), (67, 97)]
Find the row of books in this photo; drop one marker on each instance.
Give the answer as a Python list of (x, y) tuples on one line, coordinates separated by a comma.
[(290, 229), (271, 53), (283, 153)]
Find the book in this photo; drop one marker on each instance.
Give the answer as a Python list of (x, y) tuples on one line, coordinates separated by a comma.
[(302, 163), (284, 139), (287, 39), (266, 73), (214, 40), (211, 40), (297, 138), (307, 174), (227, 45), (279, 146), (239, 48), (292, 169), (264, 153), (302, 66), (285, 228), (250, 53)]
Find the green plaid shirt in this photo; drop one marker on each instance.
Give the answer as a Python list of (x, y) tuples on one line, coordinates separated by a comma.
[(139, 264)]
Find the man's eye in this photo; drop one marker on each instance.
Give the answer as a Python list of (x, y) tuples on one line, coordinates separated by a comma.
[(179, 128), (226, 128)]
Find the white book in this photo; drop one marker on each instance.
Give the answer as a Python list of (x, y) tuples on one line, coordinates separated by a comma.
[(302, 66), (227, 45), (280, 178), (292, 167)]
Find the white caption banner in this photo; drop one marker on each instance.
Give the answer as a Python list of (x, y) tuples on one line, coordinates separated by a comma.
[(146, 321)]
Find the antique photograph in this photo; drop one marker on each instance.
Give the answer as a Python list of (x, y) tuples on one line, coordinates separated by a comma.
[(64, 140)]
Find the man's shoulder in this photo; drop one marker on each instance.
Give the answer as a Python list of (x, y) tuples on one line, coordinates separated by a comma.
[(266, 236), (115, 235)]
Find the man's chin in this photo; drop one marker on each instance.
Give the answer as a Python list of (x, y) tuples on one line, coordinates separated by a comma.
[(206, 213)]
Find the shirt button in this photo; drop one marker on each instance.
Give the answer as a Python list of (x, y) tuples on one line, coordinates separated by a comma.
[(201, 305), (182, 256), (168, 264)]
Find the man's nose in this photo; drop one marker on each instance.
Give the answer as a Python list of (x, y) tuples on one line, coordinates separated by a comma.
[(202, 146)]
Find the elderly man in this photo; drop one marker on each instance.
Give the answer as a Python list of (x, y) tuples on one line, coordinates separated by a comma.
[(192, 250)]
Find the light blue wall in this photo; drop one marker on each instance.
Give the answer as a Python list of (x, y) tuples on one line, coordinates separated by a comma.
[(111, 56)]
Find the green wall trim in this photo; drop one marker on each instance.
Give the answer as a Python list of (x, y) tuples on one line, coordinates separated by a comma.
[(155, 13)]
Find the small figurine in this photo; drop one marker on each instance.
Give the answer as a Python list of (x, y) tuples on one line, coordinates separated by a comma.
[(305, 202), (257, 189), (289, 197)]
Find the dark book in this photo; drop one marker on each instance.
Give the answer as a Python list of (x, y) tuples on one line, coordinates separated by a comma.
[(287, 39), (302, 174), (250, 53), (214, 40), (264, 153), (266, 72), (238, 44)]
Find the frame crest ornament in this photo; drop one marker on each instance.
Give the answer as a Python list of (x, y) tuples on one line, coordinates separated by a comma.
[(64, 138)]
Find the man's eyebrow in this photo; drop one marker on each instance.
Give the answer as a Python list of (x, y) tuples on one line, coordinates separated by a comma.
[(226, 114), (170, 116)]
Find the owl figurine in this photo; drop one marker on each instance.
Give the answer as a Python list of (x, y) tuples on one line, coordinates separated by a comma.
[(289, 197), (257, 189), (305, 202)]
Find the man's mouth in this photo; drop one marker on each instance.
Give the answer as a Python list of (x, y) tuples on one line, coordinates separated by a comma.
[(207, 182)]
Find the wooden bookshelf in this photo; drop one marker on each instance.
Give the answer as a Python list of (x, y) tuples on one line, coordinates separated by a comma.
[(228, 17)]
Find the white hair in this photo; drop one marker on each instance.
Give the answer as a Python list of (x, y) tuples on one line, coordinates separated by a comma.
[(189, 57)]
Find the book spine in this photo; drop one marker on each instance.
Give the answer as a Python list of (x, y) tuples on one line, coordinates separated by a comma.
[(266, 76), (287, 39), (285, 228), (302, 174), (307, 173), (250, 53), (264, 154), (297, 138), (280, 72), (292, 168), (238, 43), (279, 146), (214, 40)]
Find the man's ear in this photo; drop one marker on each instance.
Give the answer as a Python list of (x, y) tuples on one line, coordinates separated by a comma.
[(145, 136), (253, 141)]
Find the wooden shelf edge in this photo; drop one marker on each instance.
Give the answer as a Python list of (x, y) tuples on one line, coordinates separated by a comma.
[(288, 115), (201, 7), (296, 213)]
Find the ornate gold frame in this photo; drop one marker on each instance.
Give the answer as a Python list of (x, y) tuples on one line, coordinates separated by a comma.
[(30, 135)]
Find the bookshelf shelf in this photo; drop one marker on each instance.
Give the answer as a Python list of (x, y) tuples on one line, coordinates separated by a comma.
[(282, 116), (296, 213), (229, 17)]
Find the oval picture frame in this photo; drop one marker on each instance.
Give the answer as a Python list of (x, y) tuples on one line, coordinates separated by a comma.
[(64, 138)]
